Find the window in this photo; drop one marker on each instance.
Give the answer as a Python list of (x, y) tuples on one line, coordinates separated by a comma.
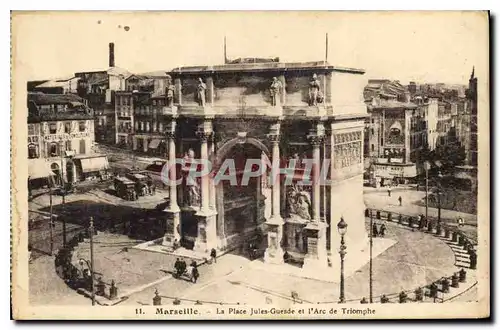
[(52, 128), (373, 131), (32, 151), (373, 147), (53, 150), (82, 146), (31, 129), (381, 141), (67, 128), (154, 102), (68, 145), (373, 120), (82, 126)]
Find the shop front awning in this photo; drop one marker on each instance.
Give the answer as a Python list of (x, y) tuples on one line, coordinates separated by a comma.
[(154, 143), (39, 168), (94, 164)]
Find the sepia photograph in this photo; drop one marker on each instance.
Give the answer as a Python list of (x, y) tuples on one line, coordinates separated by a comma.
[(250, 165)]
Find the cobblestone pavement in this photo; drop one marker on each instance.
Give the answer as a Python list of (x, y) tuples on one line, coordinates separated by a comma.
[(47, 288), (379, 198), (115, 260), (415, 260)]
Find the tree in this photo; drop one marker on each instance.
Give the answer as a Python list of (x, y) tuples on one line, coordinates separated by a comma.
[(450, 155)]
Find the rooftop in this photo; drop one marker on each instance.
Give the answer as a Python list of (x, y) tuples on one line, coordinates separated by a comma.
[(265, 66), (378, 104), (44, 99)]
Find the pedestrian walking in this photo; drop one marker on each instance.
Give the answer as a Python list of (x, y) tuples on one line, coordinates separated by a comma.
[(374, 230), (382, 230), (175, 245), (213, 255), (460, 222), (421, 222), (182, 266), (400, 199), (418, 186), (177, 266), (194, 273), (389, 191)]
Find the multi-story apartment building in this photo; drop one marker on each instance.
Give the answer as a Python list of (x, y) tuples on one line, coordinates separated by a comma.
[(138, 113), (444, 122), (61, 139), (397, 132)]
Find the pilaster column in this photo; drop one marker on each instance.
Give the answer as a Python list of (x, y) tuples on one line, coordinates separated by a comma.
[(275, 182), (173, 207), (316, 191), (210, 90), (274, 251), (283, 91), (173, 225), (211, 179), (205, 189), (145, 144), (178, 91), (316, 257), (207, 224)]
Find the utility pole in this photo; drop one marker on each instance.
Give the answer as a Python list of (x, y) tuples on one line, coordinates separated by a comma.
[(91, 234), (371, 256)]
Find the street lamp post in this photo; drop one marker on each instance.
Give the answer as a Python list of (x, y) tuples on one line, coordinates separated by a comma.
[(427, 167), (91, 234), (439, 196), (342, 228), (51, 220), (63, 192)]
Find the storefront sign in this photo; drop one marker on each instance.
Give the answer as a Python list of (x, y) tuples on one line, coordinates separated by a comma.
[(64, 137)]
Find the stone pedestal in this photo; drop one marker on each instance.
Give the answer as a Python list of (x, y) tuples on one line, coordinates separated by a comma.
[(172, 228), (274, 252), (316, 257), (206, 238)]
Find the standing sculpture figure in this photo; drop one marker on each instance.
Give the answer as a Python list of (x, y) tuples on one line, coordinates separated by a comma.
[(170, 94), (200, 92), (314, 90), (275, 89)]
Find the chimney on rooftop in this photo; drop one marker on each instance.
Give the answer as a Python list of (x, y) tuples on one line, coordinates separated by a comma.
[(111, 54)]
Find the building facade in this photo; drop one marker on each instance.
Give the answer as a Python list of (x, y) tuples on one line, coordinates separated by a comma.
[(397, 133), (61, 138), (275, 111)]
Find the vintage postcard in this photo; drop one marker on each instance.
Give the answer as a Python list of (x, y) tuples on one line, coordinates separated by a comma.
[(250, 165)]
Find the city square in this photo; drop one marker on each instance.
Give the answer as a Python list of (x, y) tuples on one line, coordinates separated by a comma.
[(255, 181)]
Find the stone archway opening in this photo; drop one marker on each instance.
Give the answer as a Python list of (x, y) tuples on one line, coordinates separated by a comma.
[(242, 201)]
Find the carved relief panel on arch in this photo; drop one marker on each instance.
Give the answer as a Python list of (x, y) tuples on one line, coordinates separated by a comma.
[(347, 149)]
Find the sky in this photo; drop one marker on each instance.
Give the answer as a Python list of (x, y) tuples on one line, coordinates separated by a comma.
[(406, 46)]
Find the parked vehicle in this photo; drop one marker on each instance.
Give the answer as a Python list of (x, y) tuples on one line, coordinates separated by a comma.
[(125, 188), (144, 183)]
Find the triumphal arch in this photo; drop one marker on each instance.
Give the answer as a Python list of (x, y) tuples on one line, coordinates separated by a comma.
[(282, 114)]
